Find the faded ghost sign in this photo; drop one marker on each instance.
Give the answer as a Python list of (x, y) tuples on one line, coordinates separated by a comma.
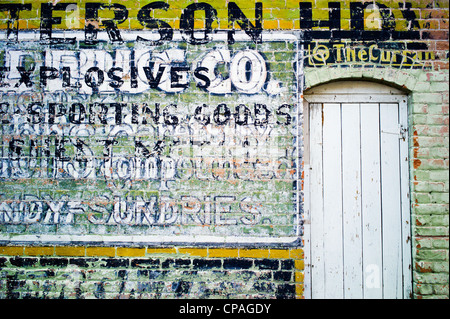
[(130, 125), (135, 71), (139, 144)]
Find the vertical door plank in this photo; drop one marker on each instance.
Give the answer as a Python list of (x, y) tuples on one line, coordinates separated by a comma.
[(370, 201), (351, 201), (332, 205), (316, 202), (390, 195), (306, 238), (406, 213)]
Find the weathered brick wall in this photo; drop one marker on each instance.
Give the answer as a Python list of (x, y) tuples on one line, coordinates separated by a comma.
[(221, 160), (72, 272)]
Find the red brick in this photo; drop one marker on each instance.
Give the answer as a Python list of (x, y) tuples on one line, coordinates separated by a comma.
[(435, 35)]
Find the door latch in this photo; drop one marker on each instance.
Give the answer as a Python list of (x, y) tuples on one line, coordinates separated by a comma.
[(402, 132)]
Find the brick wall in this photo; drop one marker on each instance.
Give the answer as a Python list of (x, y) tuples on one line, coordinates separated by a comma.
[(135, 273), (216, 210)]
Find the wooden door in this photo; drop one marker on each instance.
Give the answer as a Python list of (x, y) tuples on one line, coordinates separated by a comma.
[(358, 201)]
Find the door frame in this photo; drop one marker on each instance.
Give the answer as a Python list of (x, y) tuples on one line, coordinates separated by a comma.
[(359, 92)]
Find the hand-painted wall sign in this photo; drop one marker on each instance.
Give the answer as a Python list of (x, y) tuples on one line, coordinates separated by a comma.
[(369, 21), (150, 145), (395, 54)]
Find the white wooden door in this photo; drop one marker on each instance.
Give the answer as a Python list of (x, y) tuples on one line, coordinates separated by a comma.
[(358, 201)]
